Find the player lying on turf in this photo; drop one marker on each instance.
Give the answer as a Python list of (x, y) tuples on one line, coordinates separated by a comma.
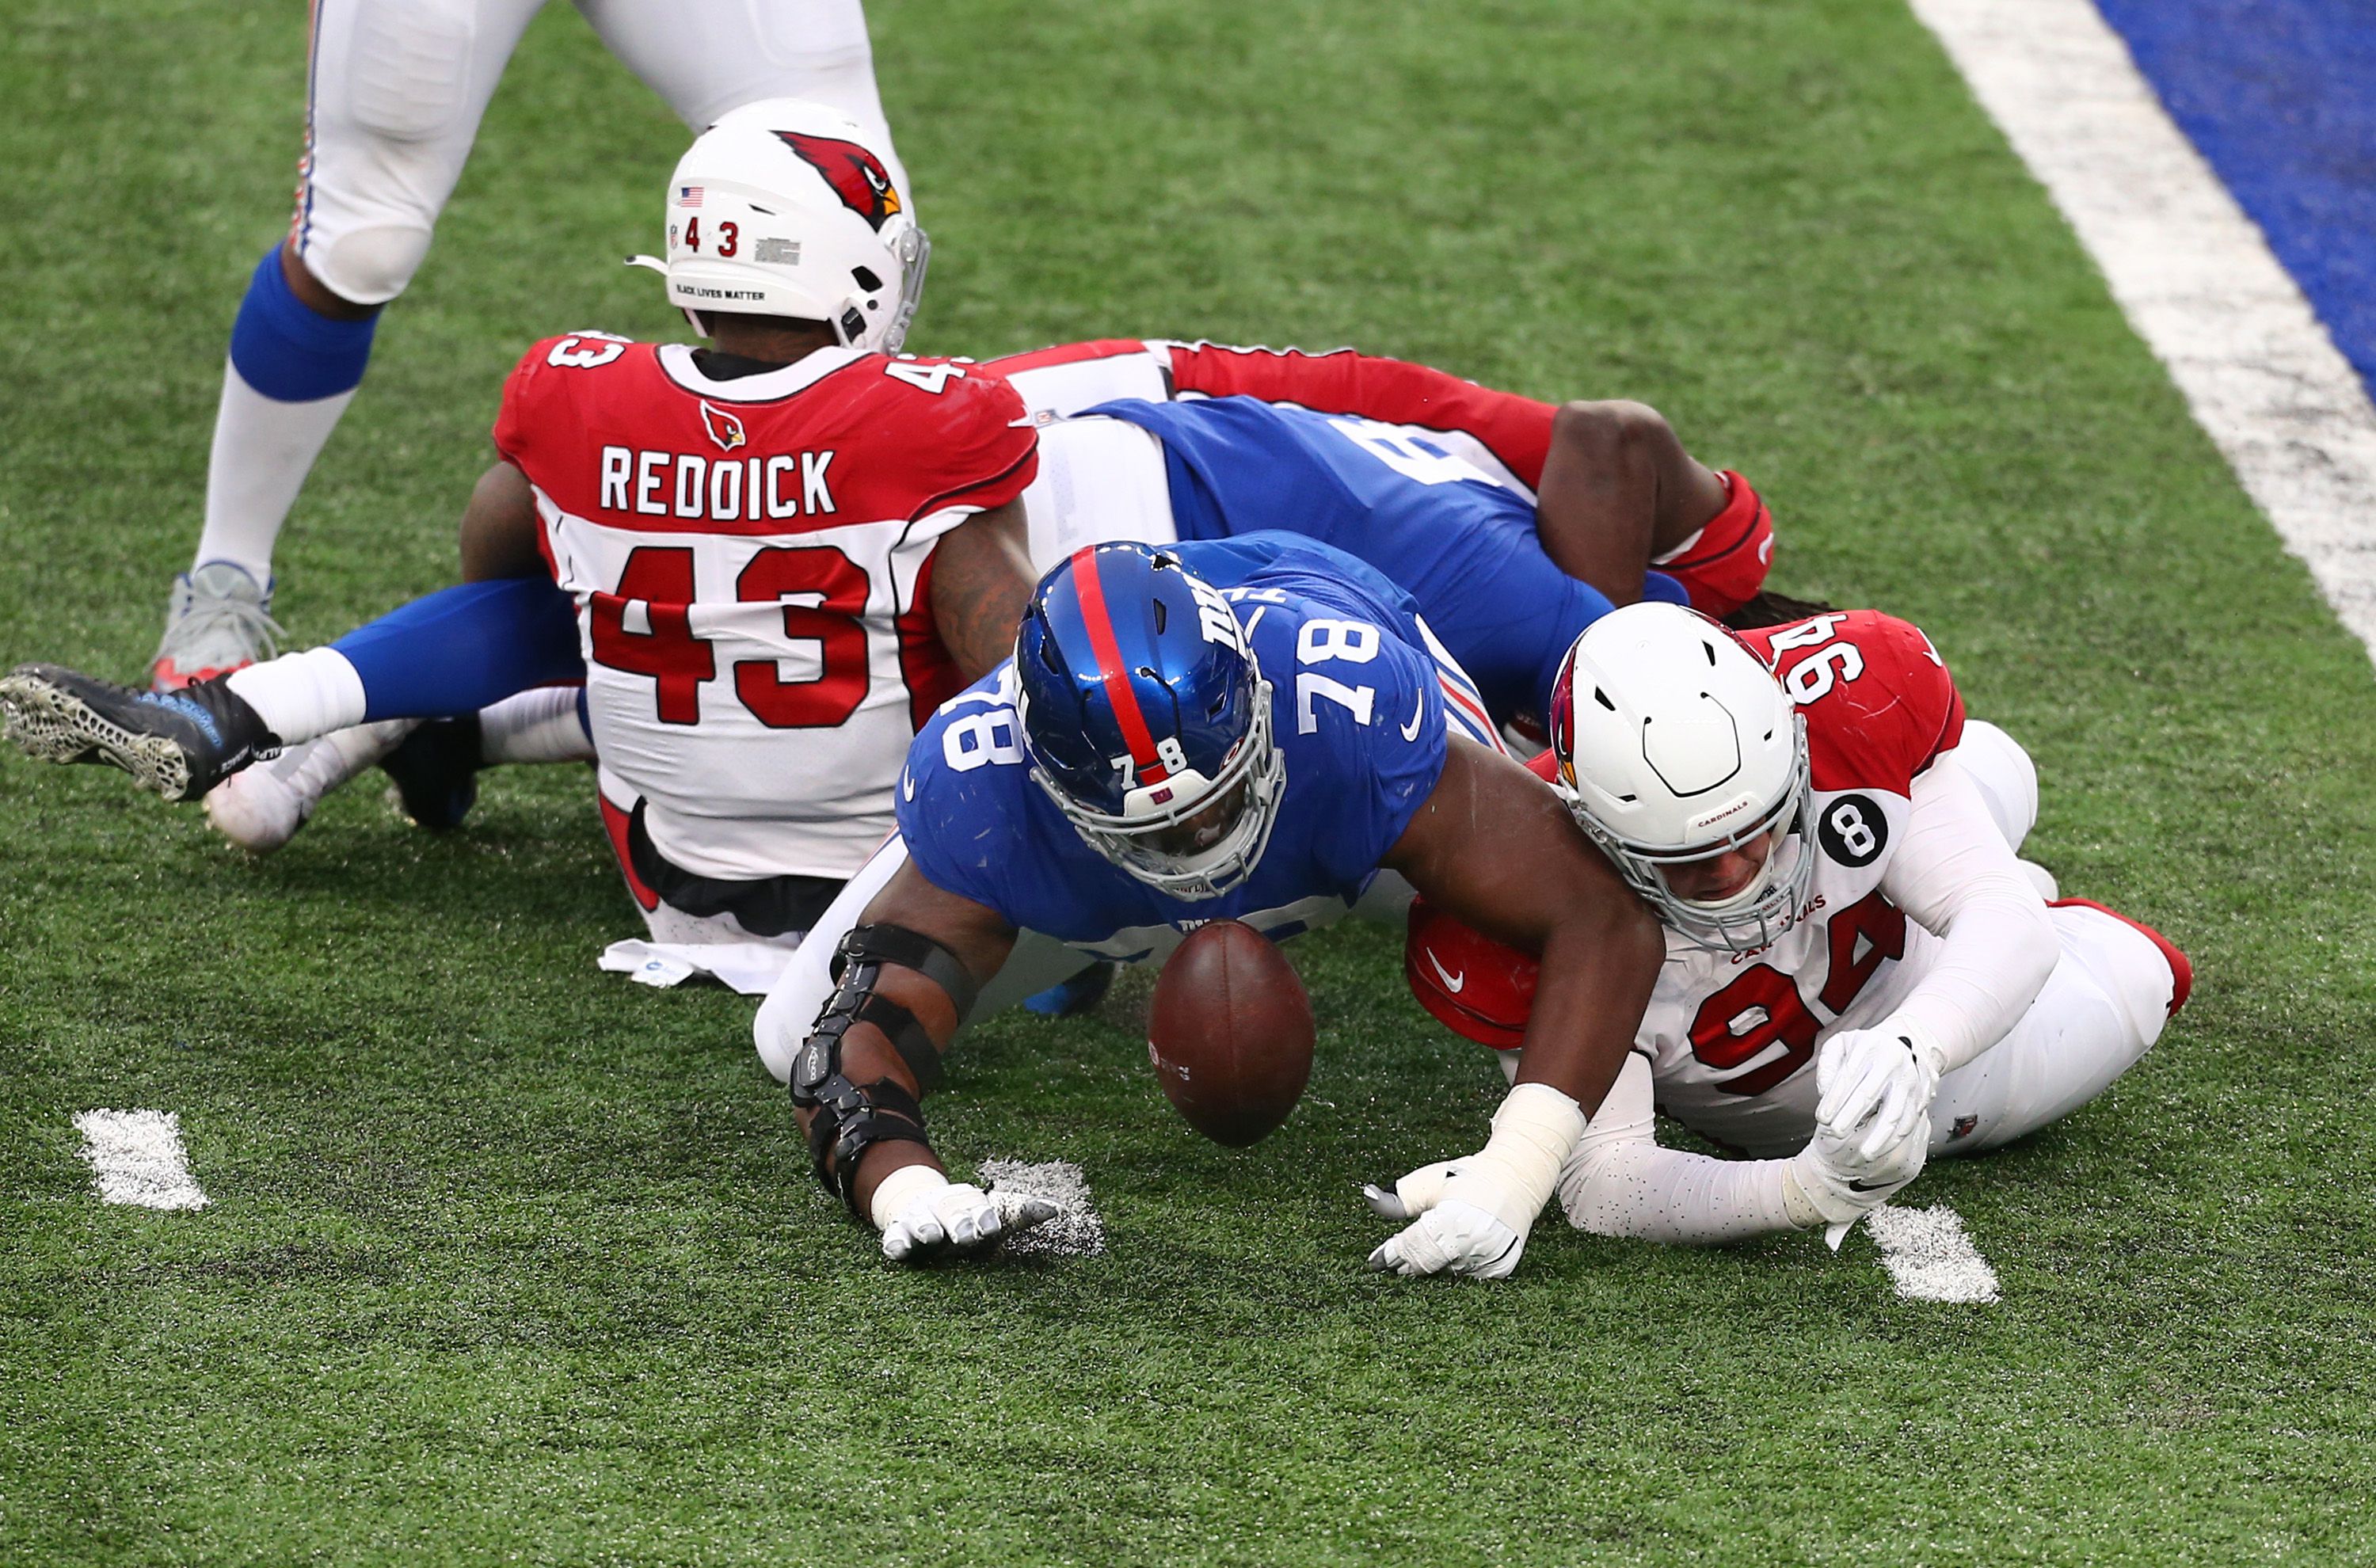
[(692, 838), (779, 552), (1860, 972), (1506, 576), (393, 95), (1615, 490), (1252, 728)]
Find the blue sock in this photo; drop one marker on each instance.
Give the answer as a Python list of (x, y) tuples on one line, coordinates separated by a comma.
[(286, 349), (460, 648)]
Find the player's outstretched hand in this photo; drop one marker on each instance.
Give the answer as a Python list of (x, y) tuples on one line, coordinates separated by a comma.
[(1451, 1232), (1843, 1186), (927, 1216), (1876, 1087), (1451, 1237)]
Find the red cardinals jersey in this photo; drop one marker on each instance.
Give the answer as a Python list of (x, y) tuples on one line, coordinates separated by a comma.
[(1729, 1035), (752, 562)]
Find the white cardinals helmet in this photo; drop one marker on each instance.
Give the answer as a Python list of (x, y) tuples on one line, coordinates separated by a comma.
[(785, 207), (1676, 744)]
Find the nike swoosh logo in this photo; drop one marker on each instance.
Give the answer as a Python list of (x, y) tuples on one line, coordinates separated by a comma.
[(1410, 730), (1451, 982), (1868, 1186), (907, 785)]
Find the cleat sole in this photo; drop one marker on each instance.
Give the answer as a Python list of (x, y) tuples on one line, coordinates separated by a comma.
[(52, 724)]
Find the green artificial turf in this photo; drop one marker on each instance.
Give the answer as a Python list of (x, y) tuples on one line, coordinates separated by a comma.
[(511, 1260)]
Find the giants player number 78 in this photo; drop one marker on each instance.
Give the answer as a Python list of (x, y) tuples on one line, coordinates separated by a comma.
[(1832, 847)]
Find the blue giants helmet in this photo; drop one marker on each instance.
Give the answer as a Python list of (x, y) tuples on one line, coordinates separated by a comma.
[(1148, 720)]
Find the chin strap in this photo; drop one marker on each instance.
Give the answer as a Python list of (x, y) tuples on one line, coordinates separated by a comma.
[(851, 1117)]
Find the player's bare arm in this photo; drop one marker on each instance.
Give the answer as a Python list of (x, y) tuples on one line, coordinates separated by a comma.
[(981, 579), (1616, 490), (499, 527), (1619, 491), (1493, 841), (909, 970), (1492, 838)]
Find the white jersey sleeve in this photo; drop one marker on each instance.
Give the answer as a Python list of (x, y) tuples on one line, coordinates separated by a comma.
[(1621, 1182), (1956, 876)]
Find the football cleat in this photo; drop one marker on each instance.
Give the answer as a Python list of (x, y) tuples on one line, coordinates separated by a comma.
[(220, 620), (436, 771), (179, 744)]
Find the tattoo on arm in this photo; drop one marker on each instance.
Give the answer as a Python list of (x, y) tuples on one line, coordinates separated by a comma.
[(981, 583)]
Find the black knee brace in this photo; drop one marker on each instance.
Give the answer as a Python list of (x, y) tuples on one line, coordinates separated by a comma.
[(849, 1117)]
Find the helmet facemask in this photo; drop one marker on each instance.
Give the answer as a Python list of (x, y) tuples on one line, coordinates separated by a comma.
[(1743, 922), (1146, 839)]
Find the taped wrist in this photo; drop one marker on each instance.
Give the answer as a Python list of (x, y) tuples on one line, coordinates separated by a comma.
[(1510, 1178), (902, 1187), (1801, 1208)]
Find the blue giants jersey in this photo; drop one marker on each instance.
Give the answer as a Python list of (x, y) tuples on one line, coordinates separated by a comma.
[(1461, 542), (1356, 708)]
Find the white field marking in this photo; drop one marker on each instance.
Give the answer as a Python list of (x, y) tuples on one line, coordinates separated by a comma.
[(1930, 1257), (2191, 271), (1077, 1231), (137, 1157)]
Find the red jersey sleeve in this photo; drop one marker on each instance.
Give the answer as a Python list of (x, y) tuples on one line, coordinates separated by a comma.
[(514, 424), (1516, 430), (972, 444), (539, 422), (1879, 701)]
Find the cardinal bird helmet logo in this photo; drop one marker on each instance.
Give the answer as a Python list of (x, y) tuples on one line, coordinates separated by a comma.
[(724, 428), (856, 175)]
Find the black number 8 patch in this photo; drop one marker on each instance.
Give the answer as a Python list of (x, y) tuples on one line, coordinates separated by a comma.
[(1853, 830)]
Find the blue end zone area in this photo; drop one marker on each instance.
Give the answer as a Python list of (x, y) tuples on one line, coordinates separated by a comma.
[(2280, 96)]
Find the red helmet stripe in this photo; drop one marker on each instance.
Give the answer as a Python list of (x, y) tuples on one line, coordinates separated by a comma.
[(1119, 695)]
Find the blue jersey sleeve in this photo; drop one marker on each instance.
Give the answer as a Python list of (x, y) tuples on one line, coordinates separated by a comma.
[(1360, 715), (964, 806)]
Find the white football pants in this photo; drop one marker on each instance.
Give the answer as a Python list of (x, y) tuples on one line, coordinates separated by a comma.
[(396, 90), (2102, 1008)]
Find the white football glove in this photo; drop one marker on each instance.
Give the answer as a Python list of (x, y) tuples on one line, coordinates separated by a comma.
[(1877, 1085), (1414, 1194), (1472, 1216), (1842, 1186), (924, 1214), (1453, 1237)]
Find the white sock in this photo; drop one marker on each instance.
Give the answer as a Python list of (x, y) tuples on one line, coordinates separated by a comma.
[(302, 695), (339, 755), (263, 450), (534, 726)]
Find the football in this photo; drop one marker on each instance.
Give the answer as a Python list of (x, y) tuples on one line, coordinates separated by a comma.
[(1229, 1031)]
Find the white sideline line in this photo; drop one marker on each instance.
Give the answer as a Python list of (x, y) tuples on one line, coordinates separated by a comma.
[(1928, 1253), (2192, 272), (1077, 1231), (135, 1157)]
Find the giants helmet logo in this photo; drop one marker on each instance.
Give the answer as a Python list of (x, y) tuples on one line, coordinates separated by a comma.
[(856, 175)]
